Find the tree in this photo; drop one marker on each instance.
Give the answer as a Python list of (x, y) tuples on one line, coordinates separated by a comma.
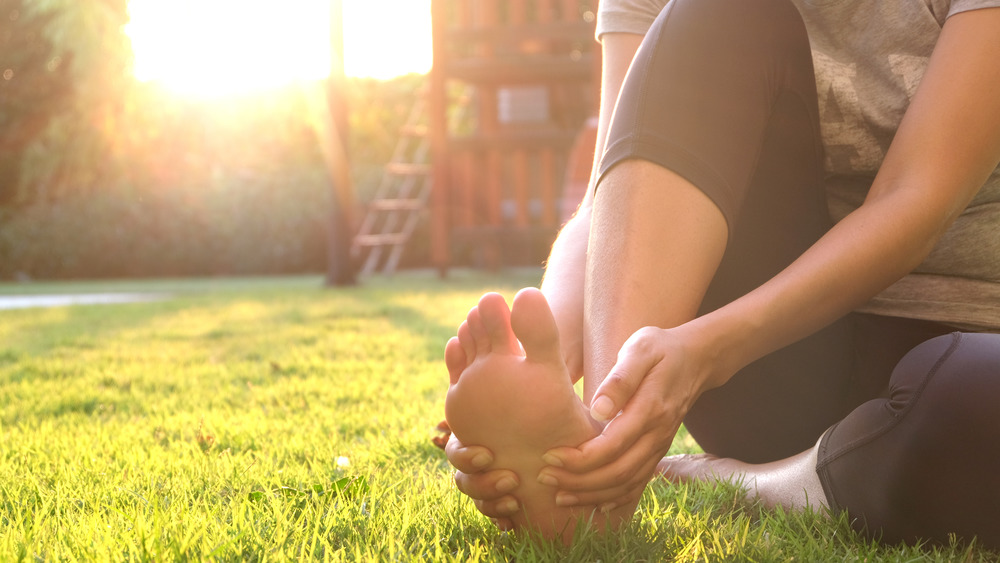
[(35, 86), (65, 66)]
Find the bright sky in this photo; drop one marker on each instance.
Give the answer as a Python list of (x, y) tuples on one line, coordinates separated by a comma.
[(219, 47)]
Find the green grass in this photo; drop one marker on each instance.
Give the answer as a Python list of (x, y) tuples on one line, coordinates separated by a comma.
[(272, 419)]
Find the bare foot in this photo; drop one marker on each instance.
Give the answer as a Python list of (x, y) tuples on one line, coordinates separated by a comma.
[(518, 401), (790, 483)]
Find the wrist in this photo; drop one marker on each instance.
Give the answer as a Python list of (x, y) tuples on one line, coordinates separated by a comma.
[(719, 345)]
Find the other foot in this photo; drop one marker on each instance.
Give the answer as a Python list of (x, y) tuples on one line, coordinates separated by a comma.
[(791, 483), (511, 392)]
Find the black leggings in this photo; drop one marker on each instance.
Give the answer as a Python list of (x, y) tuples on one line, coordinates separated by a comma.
[(723, 93)]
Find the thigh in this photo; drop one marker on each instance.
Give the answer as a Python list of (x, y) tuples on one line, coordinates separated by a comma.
[(700, 96), (781, 404)]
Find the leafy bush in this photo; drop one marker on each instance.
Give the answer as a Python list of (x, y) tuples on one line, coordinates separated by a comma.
[(248, 227), (205, 188)]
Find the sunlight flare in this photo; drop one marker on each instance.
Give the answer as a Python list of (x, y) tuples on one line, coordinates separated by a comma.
[(215, 48)]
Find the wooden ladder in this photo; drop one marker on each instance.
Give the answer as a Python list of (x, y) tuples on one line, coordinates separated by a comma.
[(400, 200)]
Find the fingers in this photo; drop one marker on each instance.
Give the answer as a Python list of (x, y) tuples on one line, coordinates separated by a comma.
[(603, 504), (633, 469), (488, 488), (489, 491), (500, 509), (604, 499), (471, 459), (647, 414), (636, 358), (593, 454), (505, 524), (615, 466), (631, 482)]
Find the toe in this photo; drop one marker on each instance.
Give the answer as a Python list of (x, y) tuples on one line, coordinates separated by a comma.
[(480, 337), (467, 341), (496, 318), (454, 358), (534, 325)]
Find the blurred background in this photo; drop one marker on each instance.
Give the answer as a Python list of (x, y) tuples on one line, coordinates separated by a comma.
[(164, 138), (145, 138)]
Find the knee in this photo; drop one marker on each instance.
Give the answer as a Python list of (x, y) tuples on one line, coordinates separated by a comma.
[(753, 21), (949, 386), (933, 465)]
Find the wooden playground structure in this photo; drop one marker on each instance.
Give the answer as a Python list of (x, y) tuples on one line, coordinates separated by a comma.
[(495, 139), (527, 74)]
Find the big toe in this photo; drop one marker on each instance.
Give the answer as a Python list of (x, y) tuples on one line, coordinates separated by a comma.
[(534, 325), (495, 316)]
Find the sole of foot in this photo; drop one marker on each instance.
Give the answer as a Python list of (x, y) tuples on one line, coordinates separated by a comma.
[(511, 392)]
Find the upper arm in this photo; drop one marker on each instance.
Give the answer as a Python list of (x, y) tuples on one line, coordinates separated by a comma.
[(627, 16), (948, 142), (617, 50), (621, 27)]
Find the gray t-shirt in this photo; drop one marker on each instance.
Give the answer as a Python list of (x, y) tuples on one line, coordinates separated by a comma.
[(869, 58)]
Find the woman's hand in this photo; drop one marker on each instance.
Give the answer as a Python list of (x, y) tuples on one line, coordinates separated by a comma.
[(487, 487), (656, 379)]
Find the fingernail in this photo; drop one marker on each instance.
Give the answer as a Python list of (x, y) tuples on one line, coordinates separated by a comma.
[(506, 485), (604, 508), (508, 506), (566, 499), (546, 479), (502, 523), (602, 409), (552, 459), (481, 460)]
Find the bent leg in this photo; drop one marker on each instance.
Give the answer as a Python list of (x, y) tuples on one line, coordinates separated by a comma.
[(655, 242), (923, 463), (711, 185)]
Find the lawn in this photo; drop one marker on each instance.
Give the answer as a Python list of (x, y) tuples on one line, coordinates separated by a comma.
[(272, 419)]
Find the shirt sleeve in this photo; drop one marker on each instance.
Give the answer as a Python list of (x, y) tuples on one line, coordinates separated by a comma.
[(627, 16), (959, 6)]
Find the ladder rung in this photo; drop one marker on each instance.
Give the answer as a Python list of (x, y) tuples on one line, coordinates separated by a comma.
[(408, 169), (397, 205), (380, 240)]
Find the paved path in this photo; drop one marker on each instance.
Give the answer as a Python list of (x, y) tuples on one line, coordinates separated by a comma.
[(28, 301)]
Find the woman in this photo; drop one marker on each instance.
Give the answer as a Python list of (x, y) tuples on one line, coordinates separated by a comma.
[(792, 246)]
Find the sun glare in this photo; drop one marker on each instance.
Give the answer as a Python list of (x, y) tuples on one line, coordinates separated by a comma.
[(223, 47), (387, 38)]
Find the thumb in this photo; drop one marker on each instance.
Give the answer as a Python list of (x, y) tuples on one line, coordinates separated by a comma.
[(635, 359)]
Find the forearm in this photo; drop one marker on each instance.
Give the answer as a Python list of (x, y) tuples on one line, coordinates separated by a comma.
[(862, 255)]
